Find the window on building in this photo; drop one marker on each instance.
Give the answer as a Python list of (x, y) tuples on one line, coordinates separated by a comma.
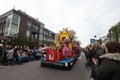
[(36, 36), (41, 25), (40, 37), (15, 24), (41, 30), (35, 27), (29, 24), (28, 33), (8, 22), (13, 29), (15, 19)]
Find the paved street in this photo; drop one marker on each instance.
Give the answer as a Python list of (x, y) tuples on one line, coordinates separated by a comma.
[(33, 71)]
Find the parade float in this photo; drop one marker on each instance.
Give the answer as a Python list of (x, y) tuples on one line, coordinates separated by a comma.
[(65, 53)]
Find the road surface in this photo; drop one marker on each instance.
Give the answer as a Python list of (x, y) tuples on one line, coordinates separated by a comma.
[(33, 71)]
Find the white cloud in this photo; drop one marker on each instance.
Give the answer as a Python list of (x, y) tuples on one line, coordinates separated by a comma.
[(86, 17)]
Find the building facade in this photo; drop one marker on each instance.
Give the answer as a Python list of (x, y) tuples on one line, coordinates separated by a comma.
[(17, 22)]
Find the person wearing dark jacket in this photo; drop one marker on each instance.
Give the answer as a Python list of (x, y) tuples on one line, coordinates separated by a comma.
[(97, 51), (109, 69)]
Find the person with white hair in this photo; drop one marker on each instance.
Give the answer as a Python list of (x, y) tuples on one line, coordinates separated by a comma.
[(98, 51)]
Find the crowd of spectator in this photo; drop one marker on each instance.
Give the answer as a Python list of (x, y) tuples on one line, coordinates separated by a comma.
[(18, 54), (104, 61)]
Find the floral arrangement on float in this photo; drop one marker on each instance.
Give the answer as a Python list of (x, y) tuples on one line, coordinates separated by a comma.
[(66, 46), (64, 34)]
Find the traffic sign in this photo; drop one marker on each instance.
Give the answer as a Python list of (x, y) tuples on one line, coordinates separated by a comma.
[(92, 40)]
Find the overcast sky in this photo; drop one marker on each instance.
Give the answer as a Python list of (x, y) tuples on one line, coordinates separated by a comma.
[(86, 17)]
